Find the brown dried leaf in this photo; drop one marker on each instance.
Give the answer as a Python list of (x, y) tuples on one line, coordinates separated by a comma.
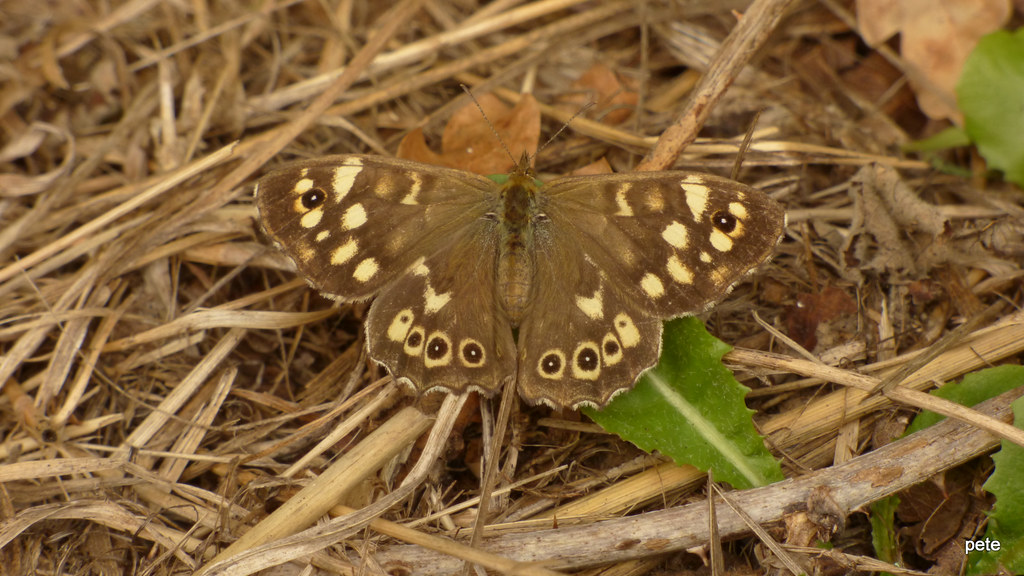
[(937, 36), (614, 99), (936, 509), (813, 310), (469, 143), (889, 211)]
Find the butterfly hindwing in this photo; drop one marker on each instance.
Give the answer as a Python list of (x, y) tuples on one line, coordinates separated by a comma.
[(438, 325), (583, 340)]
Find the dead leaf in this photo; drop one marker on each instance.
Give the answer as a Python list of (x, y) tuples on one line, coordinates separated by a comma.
[(936, 37), (935, 509), (469, 142), (813, 310), (886, 213), (614, 100)]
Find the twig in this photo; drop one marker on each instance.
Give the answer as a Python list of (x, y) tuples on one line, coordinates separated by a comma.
[(741, 44), (852, 485)]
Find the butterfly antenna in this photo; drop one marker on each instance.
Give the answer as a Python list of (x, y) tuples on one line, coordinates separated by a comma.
[(488, 120), (745, 145), (582, 109)]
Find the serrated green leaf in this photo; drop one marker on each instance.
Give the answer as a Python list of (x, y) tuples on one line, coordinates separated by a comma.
[(989, 94), (1006, 521), (691, 409), (973, 389)]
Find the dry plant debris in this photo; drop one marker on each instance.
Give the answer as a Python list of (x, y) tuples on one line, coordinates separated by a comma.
[(169, 383)]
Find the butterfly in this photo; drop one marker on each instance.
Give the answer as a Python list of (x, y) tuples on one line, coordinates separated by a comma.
[(560, 288)]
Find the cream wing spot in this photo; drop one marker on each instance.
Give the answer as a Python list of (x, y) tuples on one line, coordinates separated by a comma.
[(345, 177), (705, 257), (675, 235), (627, 331), (679, 271), (323, 235), (414, 190), (654, 201), (624, 209), (366, 270), (738, 210), (302, 186), (400, 325), (551, 365), (345, 252), (586, 362), (312, 218), (354, 217), (652, 286), (696, 198), (434, 301), (419, 267), (721, 241), (592, 307), (438, 350)]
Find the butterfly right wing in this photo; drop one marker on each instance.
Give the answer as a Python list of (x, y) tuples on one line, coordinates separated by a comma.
[(671, 242), (584, 340), (353, 224), (619, 253)]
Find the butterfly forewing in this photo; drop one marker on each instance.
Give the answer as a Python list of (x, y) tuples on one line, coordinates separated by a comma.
[(353, 224), (674, 241)]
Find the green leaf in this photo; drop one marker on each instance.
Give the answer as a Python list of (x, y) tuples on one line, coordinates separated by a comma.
[(690, 408), (952, 137), (1006, 524), (989, 94), (883, 530), (1006, 521), (973, 389)]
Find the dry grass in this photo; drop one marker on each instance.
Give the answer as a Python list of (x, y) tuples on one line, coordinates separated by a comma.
[(168, 381)]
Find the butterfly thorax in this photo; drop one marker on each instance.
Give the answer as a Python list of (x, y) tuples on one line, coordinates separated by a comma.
[(515, 264)]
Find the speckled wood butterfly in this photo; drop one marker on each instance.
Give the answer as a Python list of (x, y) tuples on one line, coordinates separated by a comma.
[(560, 287)]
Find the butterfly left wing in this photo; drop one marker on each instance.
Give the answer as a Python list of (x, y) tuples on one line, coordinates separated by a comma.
[(353, 224), (439, 326), (619, 253)]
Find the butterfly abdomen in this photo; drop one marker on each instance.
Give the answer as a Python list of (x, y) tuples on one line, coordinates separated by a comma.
[(516, 264)]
